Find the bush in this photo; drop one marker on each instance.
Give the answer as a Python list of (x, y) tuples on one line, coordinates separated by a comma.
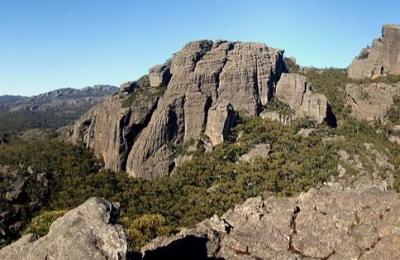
[(40, 224)]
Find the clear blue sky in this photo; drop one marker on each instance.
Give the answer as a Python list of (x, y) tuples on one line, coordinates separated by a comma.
[(49, 44)]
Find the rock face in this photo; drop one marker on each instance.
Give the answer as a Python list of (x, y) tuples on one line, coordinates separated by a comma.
[(381, 59), (220, 119), (371, 101), (199, 77), (328, 223), (159, 75), (86, 232), (296, 91), (111, 127)]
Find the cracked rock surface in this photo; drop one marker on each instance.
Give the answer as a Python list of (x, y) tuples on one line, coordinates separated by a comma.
[(86, 232), (331, 222)]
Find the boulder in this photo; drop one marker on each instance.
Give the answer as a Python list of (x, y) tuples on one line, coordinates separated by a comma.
[(296, 91), (258, 151), (332, 222), (221, 119), (86, 232), (371, 101), (382, 58)]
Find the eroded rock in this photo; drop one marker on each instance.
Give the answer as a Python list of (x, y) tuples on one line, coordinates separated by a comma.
[(86, 232), (371, 101), (296, 91), (332, 222), (220, 120), (382, 58)]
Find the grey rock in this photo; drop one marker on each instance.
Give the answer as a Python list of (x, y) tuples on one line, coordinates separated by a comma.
[(332, 222), (86, 232), (203, 74), (382, 58), (159, 75), (110, 128), (221, 119), (258, 151), (296, 91), (285, 119), (371, 101)]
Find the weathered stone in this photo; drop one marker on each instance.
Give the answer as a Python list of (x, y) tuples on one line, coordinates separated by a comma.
[(371, 101), (159, 75), (258, 151), (220, 120), (296, 91), (110, 128), (276, 116), (332, 222), (86, 232), (383, 58), (203, 75)]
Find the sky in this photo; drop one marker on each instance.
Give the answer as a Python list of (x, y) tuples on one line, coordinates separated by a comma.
[(50, 44)]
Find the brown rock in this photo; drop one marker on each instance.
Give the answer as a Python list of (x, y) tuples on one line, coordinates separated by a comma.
[(381, 59)]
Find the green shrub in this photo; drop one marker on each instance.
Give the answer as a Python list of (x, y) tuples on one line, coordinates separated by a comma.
[(40, 224)]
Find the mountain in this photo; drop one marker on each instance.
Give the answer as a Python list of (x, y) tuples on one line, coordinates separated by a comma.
[(49, 110), (60, 99), (192, 95), (228, 150)]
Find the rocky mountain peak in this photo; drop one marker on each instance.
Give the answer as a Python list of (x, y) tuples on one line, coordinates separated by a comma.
[(140, 129)]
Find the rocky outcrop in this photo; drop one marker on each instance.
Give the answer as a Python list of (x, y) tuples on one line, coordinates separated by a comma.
[(86, 232), (159, 75), (371, 101), (327, 223), (221, 118), (143, 137), (258, 151), (285, 119), (111, 127), (296, 91), (382, 58), (204, 73)]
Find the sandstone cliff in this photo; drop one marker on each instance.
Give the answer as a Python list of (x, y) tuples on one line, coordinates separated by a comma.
[(382, 58), (196, 92)]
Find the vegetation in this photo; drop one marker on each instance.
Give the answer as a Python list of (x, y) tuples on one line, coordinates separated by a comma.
[(210, 183), (142, 89), (12, 122)]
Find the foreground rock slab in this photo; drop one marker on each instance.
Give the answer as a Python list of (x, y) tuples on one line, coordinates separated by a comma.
[(329, 223), (86, 232)]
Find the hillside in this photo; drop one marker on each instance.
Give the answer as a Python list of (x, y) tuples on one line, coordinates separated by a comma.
[(49, 110), (228, 150)]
